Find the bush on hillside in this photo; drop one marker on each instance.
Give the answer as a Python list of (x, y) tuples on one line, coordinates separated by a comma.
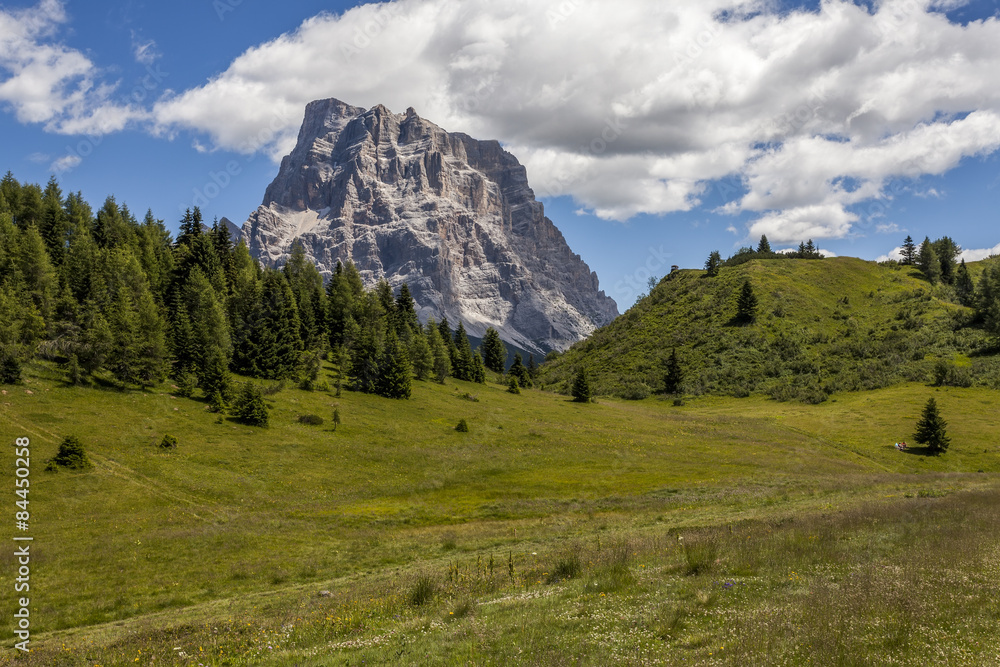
[(71, 455)]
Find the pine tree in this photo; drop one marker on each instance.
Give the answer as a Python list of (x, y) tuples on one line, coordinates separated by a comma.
[(478, 369), (310, 300), (395, 373), (988, 299), (947, 252), (908, 252), (421, 355), (713, 264), (964, 287), (746, 304), (931, 429), (278, 334), (250, 407), (674, 376), (461, 364), (518, 371), (406, 313), (764, 247), (442, 360), (342, 292), (581, 387), (928, 262), (494, 351)]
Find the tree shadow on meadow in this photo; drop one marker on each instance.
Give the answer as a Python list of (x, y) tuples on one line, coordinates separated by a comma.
[(919, 451)]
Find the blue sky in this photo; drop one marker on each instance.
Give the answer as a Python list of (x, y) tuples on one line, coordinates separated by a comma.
[(653, 135)]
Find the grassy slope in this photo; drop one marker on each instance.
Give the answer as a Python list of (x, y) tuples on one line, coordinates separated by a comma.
[(825, 326), (240, 527)]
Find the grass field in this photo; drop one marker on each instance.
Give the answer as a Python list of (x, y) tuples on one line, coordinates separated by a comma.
[(724, 531)]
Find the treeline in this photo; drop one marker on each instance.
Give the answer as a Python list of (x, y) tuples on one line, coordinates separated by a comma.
[(106, 293), (939, 262), (806, 250)]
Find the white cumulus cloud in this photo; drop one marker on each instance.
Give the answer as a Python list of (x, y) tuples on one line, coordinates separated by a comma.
[(46, 82)]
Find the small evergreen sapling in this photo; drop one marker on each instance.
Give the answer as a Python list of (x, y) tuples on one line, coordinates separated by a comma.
[(70, 455), (581, 387), (931, 429), (250, 406)]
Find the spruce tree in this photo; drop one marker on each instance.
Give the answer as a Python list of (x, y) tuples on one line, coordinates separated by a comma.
[(395, 374), (421, 355), (442, 360), (478, 369), (342, 293), (713, 264), (306, 285), (764, 247), (674, 376), (336, 418), (518, 370), (746, 304), (532, 367), (908, 252), (581, 387), (928, 262), (931, 429), (988, 299), (461, 365), (512, 385), (947, 252), (964, 287), (494, 351), (405, 313), (250, 407), (278, 332)]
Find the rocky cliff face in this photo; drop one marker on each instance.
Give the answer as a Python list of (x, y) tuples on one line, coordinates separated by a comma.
[(451, 216)]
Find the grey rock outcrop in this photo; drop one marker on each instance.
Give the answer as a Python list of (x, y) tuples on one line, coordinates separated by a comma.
[(451, 216)]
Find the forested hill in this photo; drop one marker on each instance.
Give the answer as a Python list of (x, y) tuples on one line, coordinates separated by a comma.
[(820, 327), (116, 300)]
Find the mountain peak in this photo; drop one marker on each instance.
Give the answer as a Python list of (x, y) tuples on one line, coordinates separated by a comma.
[(451, 216)]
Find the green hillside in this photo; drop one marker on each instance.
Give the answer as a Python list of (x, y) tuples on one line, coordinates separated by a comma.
[(551, 527), (823, 327)]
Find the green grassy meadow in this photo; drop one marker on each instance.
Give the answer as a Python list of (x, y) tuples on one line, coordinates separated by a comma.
[(724, 531)]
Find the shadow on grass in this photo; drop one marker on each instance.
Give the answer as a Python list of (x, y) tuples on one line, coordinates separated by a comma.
[(920, 451)]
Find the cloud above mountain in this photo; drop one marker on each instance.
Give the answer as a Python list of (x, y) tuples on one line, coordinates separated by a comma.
[(635, 107)]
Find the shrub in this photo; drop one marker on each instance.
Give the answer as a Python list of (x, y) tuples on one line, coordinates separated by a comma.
[(216, 403), (512, 386), (168, 442), (250, 406), (186, 384), (70, 455), (311, 420), (463, 426), (336, 418), (422, 592), (470, 397), (634, 391), (273, 388)]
